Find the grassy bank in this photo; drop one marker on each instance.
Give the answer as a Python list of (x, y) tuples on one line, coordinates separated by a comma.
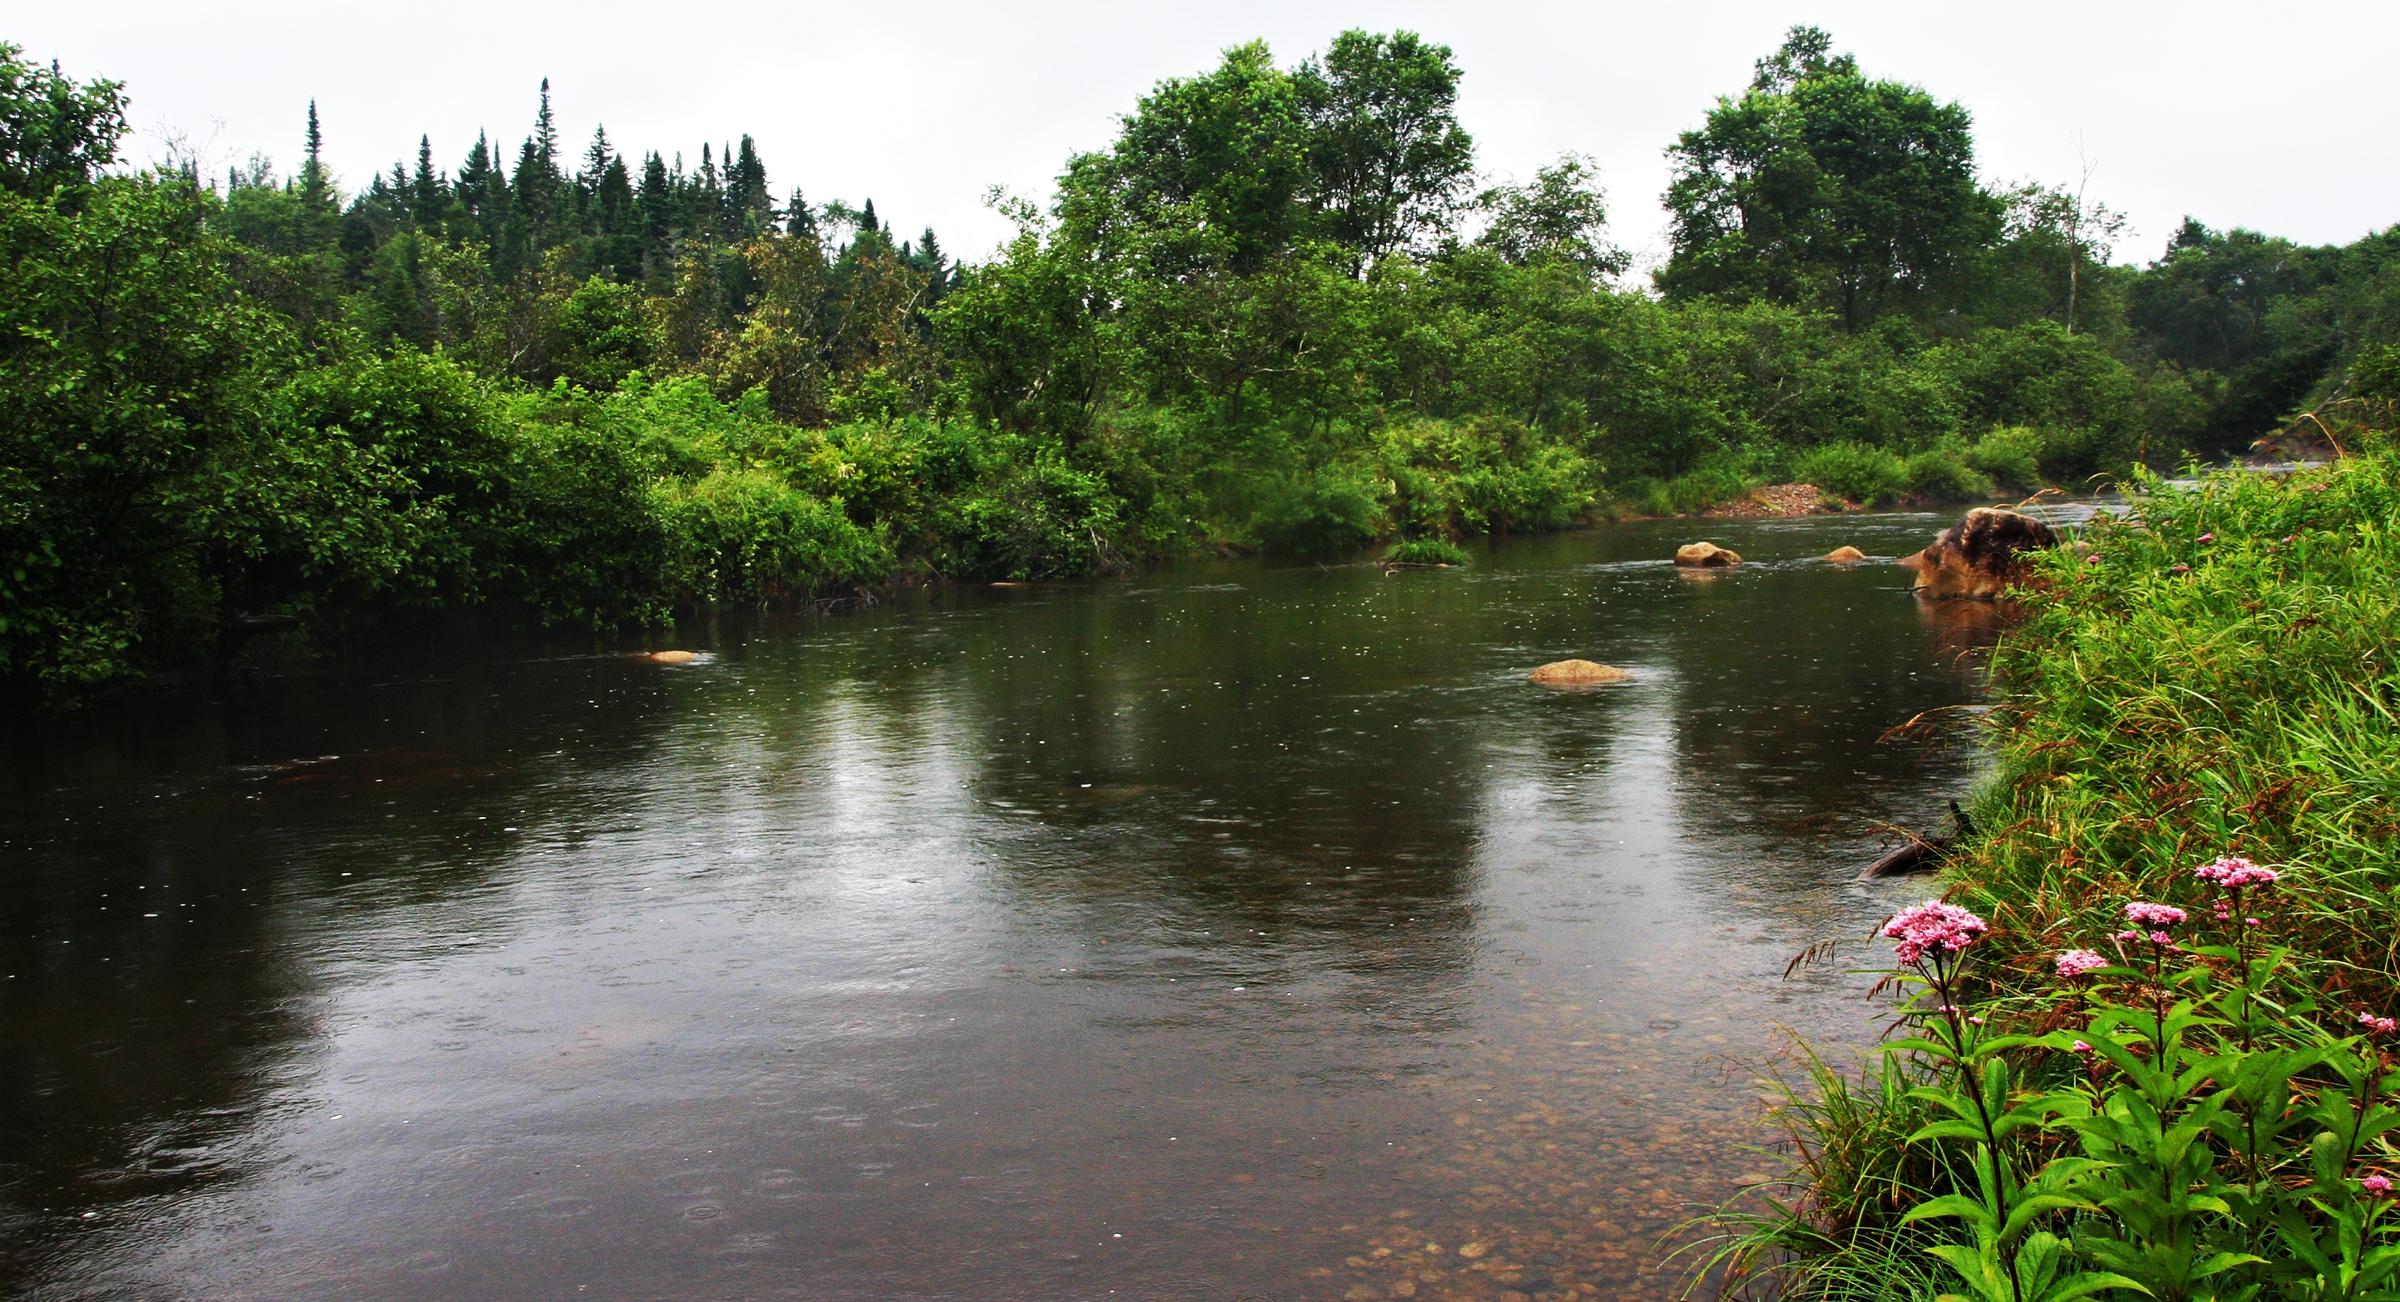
[(2193, 1107)]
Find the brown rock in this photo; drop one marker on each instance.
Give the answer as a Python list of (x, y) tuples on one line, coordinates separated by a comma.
[(671, 657), (1979, 556), (1845, 556), (1578, 672), (1706, 555)]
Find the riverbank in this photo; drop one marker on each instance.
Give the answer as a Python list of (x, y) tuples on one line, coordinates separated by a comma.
[(2215, 682)]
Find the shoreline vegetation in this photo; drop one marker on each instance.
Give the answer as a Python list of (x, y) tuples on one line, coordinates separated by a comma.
[(2146, 1044), (261, 413)]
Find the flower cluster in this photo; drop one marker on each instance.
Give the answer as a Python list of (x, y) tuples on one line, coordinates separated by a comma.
[(1932, 925), (2377, 1186), (2235, 873), (2378, 1025), (2080, 962), (2153, 915)]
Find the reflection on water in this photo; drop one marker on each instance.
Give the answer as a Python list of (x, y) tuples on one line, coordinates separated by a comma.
[(1235, 931)]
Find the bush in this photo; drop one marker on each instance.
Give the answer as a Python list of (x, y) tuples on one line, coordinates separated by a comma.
[(1427, 551), (1941, 474), (746, 535), (1855, 472), (1326, 513), (1034, 519), (2011, 455)]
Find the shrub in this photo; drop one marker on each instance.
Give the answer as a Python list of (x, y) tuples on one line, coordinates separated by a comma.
[(1427, 551), (1855, 472), (2011, 455), (1324, 513), (1941, 474), (746, 535)]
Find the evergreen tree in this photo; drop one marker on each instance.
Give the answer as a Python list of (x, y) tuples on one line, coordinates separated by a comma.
[(749, 208), (799, 220), (428, 197)]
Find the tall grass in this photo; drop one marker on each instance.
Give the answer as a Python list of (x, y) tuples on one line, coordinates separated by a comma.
[(2217, 672)]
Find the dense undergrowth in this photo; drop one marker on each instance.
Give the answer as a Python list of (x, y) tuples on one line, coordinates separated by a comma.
[(2196, 1103), (1281, 310)]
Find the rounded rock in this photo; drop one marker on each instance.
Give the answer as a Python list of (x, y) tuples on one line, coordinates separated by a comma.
[(1579, 672), (1706, 555)]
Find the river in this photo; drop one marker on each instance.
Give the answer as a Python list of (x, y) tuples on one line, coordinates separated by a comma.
[(1230, 931)]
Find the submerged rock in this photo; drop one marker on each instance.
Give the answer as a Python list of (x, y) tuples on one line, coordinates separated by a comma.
[(670, 657), (1706, 555), (1845, 556), (1579, 671), (1979, 556)]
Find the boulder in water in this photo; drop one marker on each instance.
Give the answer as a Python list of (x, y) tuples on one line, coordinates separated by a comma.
[(670, 657), (1706, 555), (1980, 556), (1845, 556), (1578, 673)]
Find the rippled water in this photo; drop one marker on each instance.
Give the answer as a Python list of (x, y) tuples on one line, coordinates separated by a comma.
[(1233, 931)]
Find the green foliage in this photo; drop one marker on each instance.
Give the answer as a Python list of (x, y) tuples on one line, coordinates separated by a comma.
[(1323, 514), (1821, 187), (749, 536), (1855, 472), (1266, 311), (2215, 677), (1945, 473), (1426, 551), (2010, 455)]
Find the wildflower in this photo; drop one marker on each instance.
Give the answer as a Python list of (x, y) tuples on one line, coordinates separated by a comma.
[(2079, 962), (2093, 559), (2153, 915), (1932, 925), (2235, 873), (2206, 538), (2378, 1025), (2082, 1046), (2182, 568), (2377, 1185)]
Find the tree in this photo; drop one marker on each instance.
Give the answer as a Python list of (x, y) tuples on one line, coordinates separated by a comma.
[(54, 131), (1206, 170), (1388, 162), (1819, 187), (1561, 215)]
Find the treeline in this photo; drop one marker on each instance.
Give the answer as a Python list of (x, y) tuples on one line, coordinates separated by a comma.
[(1282, 308)]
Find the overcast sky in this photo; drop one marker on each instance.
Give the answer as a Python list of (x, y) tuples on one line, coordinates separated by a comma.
[(2276, 117)]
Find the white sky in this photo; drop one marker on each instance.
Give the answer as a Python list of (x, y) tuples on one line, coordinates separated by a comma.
[(2275, 117)]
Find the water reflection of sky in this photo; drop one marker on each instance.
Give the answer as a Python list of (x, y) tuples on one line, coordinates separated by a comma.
[(1245, 930)]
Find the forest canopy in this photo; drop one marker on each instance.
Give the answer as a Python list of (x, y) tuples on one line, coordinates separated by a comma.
[(557, 384)]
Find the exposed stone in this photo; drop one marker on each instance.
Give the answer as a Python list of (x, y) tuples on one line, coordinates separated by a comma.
[(671, 657), (1579, 671), (1845, 556), (1706, 555), (1980, 556)]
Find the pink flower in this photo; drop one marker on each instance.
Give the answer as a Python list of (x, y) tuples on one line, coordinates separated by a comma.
[(2377, 1186), (2206, 538), (2082, 1047), (2153, 915), (1932, 925), (2181, 568), (2234, 873), (2093, 559), (2079, 962), (2378, 1025)]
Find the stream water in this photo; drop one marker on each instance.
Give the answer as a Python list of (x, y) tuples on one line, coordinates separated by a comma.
[(1230, 931)]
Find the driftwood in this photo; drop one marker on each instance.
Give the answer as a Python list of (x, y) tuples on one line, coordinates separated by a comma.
[(1920, 853)]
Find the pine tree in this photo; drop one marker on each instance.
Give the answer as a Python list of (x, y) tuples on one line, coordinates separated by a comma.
[(800, 220), (749, 208), (428, 197)]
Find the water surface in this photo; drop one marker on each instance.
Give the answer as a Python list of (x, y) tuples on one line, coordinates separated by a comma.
[(1230, 931)]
